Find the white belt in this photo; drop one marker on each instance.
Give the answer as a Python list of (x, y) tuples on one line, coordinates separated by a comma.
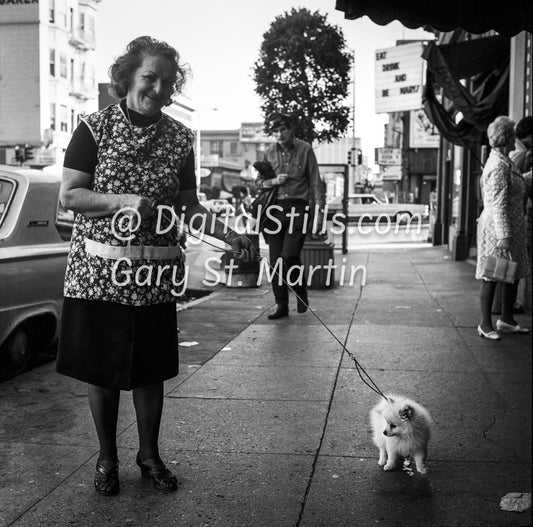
[(134, 252)]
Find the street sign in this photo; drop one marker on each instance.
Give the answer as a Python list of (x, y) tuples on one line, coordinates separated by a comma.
[(391, 173), (422, 133), (389, 156)]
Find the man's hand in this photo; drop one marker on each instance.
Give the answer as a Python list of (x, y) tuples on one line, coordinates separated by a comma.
[(242, 246), (282, 179)]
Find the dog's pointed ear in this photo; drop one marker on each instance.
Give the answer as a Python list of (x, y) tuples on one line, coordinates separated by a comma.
[(406, 412)]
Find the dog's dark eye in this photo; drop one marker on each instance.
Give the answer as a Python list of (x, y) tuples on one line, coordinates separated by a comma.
[(393, 426)]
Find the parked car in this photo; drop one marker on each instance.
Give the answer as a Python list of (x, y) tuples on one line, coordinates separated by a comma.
[(34, 241), (368, 207), (221, 207)]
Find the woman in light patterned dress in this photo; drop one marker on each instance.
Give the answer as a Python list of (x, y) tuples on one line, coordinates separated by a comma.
[(119, 328), (501, 227)]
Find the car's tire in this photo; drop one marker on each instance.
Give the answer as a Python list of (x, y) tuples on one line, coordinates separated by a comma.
[(17, 352), (402, 217)]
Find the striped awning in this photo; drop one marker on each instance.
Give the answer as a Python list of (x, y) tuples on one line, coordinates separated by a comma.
[(507, 17)]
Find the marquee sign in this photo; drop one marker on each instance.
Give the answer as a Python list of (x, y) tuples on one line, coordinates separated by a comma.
[(399, 78)]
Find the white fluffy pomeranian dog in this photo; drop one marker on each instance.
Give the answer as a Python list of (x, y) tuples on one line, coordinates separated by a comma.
[(401, 429)]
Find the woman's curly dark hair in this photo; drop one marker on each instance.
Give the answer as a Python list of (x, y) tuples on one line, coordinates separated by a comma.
[(122, 69)]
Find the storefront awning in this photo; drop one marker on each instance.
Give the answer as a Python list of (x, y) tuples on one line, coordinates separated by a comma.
[(507, 17), (484, 63)]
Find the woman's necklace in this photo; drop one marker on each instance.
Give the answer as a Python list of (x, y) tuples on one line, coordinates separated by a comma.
[(136, 145), (143, 153)]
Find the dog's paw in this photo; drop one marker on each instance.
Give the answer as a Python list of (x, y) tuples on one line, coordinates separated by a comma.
[(388, 466), (381, 461), (422, 470)]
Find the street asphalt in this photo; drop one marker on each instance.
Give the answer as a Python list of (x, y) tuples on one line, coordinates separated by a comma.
[(267, 422)]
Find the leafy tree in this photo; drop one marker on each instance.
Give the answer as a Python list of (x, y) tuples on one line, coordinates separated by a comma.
[(304, 70)]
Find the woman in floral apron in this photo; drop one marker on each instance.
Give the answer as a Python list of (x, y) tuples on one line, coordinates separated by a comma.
[(125, 168)]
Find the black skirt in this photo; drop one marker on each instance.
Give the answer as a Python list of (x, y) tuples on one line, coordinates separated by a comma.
[(117, 346)]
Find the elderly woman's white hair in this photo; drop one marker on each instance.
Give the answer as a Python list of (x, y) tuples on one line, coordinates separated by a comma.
[(500, 131)]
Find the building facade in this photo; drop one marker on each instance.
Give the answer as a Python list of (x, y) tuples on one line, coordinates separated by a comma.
[(495, 74), (408, 160), (47, 75)]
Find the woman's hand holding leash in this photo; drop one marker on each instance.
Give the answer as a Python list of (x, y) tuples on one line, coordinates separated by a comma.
[(144, 206)]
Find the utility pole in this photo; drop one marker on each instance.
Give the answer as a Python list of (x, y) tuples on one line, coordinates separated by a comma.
[(354, 146)]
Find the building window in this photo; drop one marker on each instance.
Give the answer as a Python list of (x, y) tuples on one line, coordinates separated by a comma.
[(63, 13), (53, 115), (72, 120), (71, 70), (82, 22), (53, 62), (233, 147), (51, 11), (214, 147), (90, 23), (71, 19), (63, 66), (63, 116)]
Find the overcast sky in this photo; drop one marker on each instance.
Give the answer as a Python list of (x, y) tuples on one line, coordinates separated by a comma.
[(220, 40)]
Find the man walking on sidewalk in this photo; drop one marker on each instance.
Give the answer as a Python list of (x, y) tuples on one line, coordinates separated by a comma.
[(299, 190)]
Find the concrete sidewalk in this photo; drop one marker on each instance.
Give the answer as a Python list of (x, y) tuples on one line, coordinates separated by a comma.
[(267, 423)]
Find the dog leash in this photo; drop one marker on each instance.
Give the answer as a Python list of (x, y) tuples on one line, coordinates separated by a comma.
[(363, 374)]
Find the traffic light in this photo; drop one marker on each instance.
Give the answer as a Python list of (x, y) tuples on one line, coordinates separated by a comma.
[(350, 157), (28, 152), (359, 156), (19, 155)]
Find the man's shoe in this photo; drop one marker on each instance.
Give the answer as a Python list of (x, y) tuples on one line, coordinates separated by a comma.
[(281, 311), (302, 302)]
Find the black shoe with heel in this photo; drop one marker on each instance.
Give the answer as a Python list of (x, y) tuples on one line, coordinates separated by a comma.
[(106, 480), (162, 478)]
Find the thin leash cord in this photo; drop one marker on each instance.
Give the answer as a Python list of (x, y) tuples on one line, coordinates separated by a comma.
[(363, 374)]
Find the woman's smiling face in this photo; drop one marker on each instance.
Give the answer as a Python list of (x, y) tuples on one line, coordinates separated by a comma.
[(151, 85)]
